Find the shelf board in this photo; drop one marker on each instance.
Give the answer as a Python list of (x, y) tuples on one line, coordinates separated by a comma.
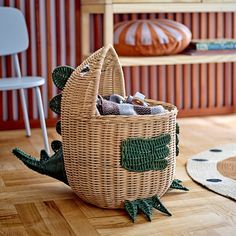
[(177, 60)]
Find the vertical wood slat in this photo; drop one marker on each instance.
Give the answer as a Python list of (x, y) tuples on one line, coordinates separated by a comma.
[(29, 56), (211, 67), (195, 68), (58, 32), (48, 52), (186, 72), (203, 67), (228, 67), (219, 66), (67, 23), (8, 74), (234, 67)]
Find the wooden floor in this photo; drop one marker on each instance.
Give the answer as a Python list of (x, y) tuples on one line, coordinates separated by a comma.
[(32, 204)]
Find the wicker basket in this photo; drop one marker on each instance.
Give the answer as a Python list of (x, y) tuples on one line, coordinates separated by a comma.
[(92, 143)]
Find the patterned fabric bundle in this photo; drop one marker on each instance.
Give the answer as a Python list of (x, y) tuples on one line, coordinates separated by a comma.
[(117, 105)]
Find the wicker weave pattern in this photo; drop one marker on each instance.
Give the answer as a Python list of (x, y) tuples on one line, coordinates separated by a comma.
[(92, 143)]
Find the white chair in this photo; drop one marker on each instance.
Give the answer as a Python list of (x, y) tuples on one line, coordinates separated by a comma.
[(14, 39)]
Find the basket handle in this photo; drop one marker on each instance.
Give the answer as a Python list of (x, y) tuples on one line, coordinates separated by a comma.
[(101, 73)]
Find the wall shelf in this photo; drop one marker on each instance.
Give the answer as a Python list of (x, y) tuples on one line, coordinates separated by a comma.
[(110, 7)]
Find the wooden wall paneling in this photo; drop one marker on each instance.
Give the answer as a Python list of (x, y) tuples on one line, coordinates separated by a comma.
[(178, 75), (234, 66), (144, 79), (186, 72), (9, 74), (77, 32), (67, 28), (152, 75), (211, 67), (20, 112), (135, 73), (161, 74), (219, 66), (48, 53), (58, 32), (195, 68), (29, 56), (228, 66), (203, 67)]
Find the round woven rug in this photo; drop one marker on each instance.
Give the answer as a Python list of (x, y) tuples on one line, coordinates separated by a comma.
[(215, 169)]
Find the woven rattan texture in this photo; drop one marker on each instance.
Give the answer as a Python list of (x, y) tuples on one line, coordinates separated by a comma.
[(92, 143)]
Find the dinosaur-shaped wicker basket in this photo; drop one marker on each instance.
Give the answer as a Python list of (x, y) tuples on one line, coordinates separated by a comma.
[(113, 159)]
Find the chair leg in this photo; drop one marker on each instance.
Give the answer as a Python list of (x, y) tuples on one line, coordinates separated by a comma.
[(42, 119), (25, 112)]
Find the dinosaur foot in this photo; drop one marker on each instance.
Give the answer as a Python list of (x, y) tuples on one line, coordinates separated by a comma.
[(176, 184), (145, 206)]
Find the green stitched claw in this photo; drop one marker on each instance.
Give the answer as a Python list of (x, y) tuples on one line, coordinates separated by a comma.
[(132, 209), (61, 74), (52, 166), (145, 208), (156, 203), (145, 205), (144, 154), (55, 104), (176, 185)]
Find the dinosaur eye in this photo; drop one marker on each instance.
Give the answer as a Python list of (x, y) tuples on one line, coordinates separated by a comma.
[(85, 69)]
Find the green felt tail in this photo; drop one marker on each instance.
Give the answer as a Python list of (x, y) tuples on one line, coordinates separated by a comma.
[(52, 166)]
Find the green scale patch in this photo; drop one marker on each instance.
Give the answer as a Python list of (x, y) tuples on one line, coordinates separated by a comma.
[(144, 154)]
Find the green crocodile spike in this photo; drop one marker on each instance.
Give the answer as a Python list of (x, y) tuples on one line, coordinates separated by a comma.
[(58, 127), (61, 74), (156, 203), (177, 139), (145, 208), (132, 209), (55, 104), (44, 156), (53, 167), (56, 145), (144, 154), (176, 185)]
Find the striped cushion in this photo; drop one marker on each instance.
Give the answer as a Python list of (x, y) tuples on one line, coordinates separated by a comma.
[(150, 37)]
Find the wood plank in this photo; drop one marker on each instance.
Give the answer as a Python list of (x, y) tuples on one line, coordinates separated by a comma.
[(67, 32), (78, 32), (29, 57), (53, 218), (75, 217), (85, 2), (174, 7), (234, 66), (195, 68), (49, 53), (211, 67), (58, 32), (31, 219), (228, 66), (219, 67), (176, 60)]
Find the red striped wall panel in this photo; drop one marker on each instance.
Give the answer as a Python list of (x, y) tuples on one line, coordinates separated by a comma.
[(54, 31)]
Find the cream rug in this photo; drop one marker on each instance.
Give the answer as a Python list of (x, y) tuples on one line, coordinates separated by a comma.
[(215, 169)]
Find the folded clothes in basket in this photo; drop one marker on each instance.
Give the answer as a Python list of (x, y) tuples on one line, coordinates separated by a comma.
[(117, 105)]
